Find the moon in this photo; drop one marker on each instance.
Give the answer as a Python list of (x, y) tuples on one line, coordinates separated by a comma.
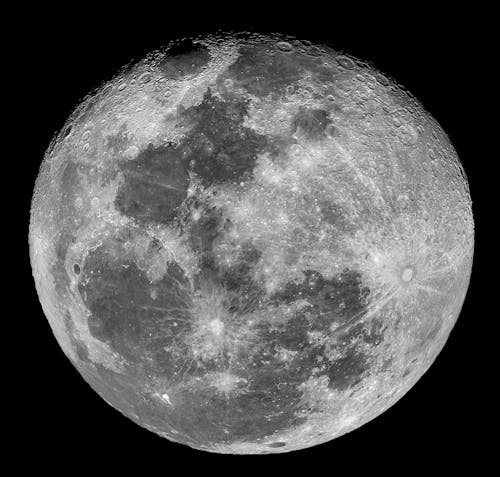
[(251, 244)]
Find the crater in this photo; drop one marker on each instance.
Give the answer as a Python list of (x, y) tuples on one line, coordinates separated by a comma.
[(183, 58), (407, 274), (277, 444)]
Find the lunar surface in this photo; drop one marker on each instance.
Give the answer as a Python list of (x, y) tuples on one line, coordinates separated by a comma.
[(251, 244)]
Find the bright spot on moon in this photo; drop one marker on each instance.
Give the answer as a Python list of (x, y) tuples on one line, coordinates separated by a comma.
[(217, 327), (407, 274)]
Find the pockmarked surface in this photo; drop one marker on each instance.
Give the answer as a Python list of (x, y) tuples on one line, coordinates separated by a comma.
[(251, 244)]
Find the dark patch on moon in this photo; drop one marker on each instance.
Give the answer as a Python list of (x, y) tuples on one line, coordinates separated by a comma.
[(118, 143), (155, 185), (269, 404), (237, 277), (340, 299), (250, 253), (333, 214), (312, 123), (433, 331), (149, 329), (347, 371), (219, 146), (125, 312), (204, 231), (124, 315), (125, 391), (184, 58)]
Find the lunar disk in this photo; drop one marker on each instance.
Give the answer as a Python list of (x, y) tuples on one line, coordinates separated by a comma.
[(251, 244)]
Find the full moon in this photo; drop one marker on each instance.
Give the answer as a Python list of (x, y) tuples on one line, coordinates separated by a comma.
[(251, 244)]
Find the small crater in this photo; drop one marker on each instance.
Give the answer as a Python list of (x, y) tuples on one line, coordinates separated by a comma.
[(345, 62), (382, 79), (284, 46), (277, 444), (76, 268), (145, 77), (185, 57), (407, 274), (332, 131)]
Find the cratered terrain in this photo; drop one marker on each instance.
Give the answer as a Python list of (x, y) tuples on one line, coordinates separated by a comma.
[(251, 244)]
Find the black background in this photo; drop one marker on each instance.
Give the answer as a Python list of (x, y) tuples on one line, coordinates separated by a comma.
[(441, 420)]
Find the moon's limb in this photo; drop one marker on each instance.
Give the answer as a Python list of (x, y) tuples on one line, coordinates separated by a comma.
[(274, 208)]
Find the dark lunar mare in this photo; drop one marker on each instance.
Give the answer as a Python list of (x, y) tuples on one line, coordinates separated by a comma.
[(136, 318), (150, 334), (340, 302), (221, 148), (184, 58), (311, 122), (217, 148), (148, 323), (155, 185), (272, 399)]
